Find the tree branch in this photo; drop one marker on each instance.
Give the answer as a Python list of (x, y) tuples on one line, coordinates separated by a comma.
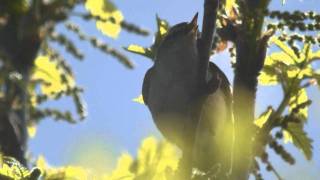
[(251, 51), (205, 42)]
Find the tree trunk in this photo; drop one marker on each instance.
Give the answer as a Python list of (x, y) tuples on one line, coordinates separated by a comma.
[(19, 45)]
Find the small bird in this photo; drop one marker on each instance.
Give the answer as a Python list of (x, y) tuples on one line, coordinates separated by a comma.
[(171, 92)]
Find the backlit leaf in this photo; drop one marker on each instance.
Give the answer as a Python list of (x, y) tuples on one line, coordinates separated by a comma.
[(140, 50), (106, 10), (287, 138), (48, 72), (315, 55), (300, 139), (267, 79), (263, 118), (229, 5), (122, 170), (32, 130), (138, 99), (284, 47), (297, 99)]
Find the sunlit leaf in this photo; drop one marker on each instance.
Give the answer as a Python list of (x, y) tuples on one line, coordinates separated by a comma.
[(41, 163), (154, 161), (163, 26), (122, 171), (284, 47), (75, 172), (12, 169), (48, 72), (106, 10), (136, 49), (111, 29), (315, 55), (138, 99), (155, 158), (162, 29), (280, 57), (299, 98), (263, 118), (32, 130), (267, 79), (229, 5), (300, 139), (140, 50), (287, 138)]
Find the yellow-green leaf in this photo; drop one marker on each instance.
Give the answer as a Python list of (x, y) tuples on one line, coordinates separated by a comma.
[(156, 158), (300, 138), (315, 55), (267, 80), (140, 50), (229, 5), (122, 171), (287, 137), (32, 130), (106, 10), (280, 57), (49, 72), (136, 49), (163, 27), (263, 118), (286, 49), (297, 99), (138, 99)]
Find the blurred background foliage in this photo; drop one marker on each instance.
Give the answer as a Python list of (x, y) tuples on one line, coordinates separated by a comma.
[(33, 72)]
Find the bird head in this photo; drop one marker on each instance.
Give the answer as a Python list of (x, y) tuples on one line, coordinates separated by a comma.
[(183, 30), (181, 37)]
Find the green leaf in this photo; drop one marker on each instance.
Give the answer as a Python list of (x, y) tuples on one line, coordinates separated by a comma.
[(300, 138)]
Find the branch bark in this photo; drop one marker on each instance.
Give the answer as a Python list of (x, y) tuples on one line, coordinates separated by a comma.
[(251, 51), (205, 42), (20, 40)]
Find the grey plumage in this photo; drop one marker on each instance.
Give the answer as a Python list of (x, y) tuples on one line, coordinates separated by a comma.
[(170, 90)]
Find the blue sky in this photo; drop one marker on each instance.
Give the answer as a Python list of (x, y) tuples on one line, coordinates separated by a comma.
[(115, 123)]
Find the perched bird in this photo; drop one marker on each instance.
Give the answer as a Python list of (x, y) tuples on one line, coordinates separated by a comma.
[(171, 92)]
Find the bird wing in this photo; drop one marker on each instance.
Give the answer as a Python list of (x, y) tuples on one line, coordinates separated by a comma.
[(214, 136), (224, 82)]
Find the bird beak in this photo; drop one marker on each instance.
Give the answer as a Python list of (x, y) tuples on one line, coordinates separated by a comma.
[(193, 24)]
